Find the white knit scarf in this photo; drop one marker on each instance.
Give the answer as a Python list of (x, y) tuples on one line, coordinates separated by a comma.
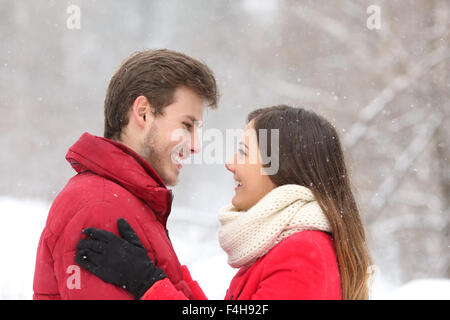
[(247, 235)]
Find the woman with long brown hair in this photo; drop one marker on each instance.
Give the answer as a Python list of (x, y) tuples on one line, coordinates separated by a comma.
[(310, 155), (294, 233)]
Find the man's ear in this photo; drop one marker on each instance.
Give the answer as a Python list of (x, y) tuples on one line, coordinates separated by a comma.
[(141, 111)]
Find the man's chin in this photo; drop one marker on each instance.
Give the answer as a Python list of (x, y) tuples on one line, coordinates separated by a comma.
[(171, 183), (171, 179)]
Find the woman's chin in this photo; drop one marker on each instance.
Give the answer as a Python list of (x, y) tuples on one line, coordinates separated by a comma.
[(238, 204), (235, 203)]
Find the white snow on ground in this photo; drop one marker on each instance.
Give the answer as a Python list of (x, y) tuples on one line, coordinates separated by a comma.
[(193, 234), (423, 289), (22, 224)]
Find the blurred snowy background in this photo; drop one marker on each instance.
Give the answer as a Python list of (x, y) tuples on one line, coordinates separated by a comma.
[(387, 90)]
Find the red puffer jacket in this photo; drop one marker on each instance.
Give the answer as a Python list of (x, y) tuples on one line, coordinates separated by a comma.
[(301, 267), (112, 182)]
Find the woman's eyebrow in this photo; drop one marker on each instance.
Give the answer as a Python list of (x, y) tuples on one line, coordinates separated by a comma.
[(241, 143)]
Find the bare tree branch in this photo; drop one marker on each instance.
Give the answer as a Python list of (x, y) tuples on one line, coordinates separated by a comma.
[(403, 163), (381, 100)]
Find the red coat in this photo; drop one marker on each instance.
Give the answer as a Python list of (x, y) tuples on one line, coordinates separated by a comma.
[(112, 182), (301, 267)]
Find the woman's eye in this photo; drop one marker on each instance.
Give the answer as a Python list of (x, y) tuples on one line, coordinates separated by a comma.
[(242, 152), (187, 125)]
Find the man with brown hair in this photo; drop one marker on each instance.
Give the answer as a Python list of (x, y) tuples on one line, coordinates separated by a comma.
[(153, 107)]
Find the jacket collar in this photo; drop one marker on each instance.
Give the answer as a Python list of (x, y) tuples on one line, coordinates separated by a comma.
[(117, 162)]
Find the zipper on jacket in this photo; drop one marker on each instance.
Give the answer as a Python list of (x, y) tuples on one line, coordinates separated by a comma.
[(167, 233), (171, 197), (165, 227)]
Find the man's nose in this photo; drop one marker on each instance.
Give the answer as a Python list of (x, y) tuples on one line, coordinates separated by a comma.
[(196, 145)]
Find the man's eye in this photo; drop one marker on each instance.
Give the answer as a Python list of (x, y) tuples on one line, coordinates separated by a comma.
[(187, 125)]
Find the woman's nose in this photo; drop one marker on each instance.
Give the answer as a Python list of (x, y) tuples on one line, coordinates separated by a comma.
[(230, 164)]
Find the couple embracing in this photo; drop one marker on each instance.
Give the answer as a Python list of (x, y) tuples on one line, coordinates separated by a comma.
[(292, 233)]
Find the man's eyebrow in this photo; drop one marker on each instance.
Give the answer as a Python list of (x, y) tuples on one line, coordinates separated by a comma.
[(193, 119), (241, 143)]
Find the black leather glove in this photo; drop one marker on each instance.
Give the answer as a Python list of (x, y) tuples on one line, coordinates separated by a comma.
[(120, 261)]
